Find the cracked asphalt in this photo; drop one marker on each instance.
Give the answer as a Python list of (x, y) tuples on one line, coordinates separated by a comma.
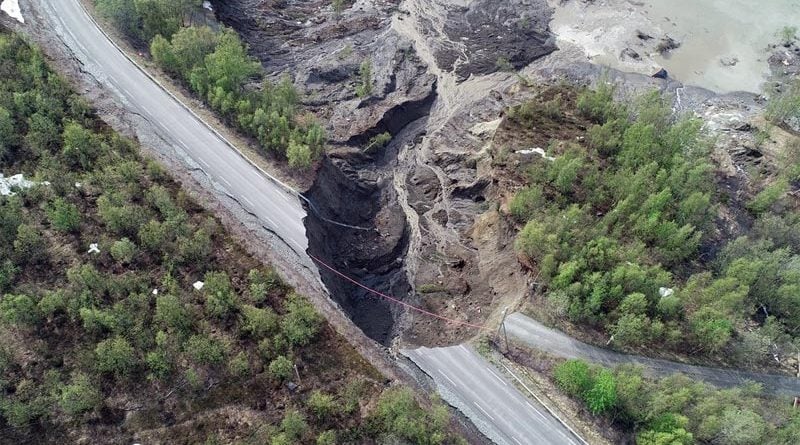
[(279, 209), (536, 335)]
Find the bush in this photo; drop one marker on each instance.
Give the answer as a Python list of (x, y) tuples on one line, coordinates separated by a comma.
[(115, 355), (205, 350), (526, 202), (602, 396), (18, 310), (281, 368), (258, 323), (400, 415), (364, 88), (301, 322), (63, 216), (321, 404), (574, 377), (294, 424), (80, 396), (123, 250), (327, 438), (299, 155)]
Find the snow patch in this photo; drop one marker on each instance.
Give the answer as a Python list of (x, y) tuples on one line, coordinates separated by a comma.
[(537, 150), (15, 181), (11, 7)]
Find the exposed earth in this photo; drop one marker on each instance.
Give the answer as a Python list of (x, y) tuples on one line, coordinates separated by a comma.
[(442, 74)]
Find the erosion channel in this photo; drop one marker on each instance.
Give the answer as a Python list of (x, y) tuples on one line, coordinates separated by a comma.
[(432, 74)]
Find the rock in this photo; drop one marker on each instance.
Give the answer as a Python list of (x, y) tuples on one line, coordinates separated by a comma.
[(729, 61), (629, 53), (291, 386), (667, 44), (661, 74), (643, 36)]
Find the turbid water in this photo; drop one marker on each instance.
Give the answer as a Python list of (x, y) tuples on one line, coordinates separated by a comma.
[(723, 43)]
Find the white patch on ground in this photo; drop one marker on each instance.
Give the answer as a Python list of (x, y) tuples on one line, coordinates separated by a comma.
[(11, 7), (15, 181), (207, 5), (536, 150), (93, 248), (712, 34), (198, 285)]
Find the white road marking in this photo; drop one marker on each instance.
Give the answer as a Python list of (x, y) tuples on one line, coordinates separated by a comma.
[(496, 376), (517, 441), (249, 202), (484, 411), (222, 178), (448, 378), (203, 162), (145, 109)]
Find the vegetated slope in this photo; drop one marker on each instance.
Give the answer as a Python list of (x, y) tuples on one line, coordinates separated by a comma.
[(213, 63), (631, 230), (677, 410), (105, 338)]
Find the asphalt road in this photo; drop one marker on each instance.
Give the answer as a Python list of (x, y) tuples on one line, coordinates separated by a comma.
[(534, 334), (278, 209), (500, 411)]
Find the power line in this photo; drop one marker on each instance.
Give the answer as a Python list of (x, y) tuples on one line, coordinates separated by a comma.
[(396, 300)]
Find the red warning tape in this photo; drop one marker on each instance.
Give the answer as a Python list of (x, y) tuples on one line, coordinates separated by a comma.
[(395, 300)]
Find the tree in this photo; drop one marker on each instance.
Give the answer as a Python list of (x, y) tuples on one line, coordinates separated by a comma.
[(172, 314), (123, 250), (123, 15), (63, 216), (205, 350), (8, 135), (574, 377), (18, 309), (239, 365), (299, 155), (301, 322), (115, 355), (81, 146), (321, 404), (258, 323), (327, 437), (294, 424), (526, 202), (220, 298), (741, 427), (229, 66), (364, 88), (280, 368), (79, 396), (29, 245), (711, 328), (602, 396)]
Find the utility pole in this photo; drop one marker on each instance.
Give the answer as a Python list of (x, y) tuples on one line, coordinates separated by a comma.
[(503, 327)]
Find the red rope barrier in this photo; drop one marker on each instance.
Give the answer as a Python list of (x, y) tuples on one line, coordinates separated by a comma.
[(395, 300)]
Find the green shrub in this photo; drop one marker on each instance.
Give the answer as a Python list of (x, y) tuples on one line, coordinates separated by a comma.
[(526, 203), (574, 377), (364, 88), (63, 215), (205, 350), (294, 424), (115, 355), (281, 368), (79, 396), (123, 250), (301, 322), (258, 323), (321, 404)]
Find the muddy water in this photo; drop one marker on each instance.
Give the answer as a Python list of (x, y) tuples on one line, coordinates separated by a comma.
[(709, 31)]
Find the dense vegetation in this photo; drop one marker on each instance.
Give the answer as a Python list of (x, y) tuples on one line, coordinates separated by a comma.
[(117, 344), (615, 223), (678, 410), (215, 66)]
